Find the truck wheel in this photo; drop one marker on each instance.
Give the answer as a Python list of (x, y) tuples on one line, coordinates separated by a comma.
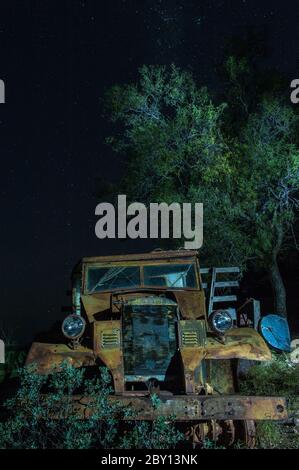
[(220, 433)]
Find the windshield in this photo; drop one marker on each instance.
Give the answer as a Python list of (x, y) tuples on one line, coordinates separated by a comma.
[(99, 279), (170, 275), (122, 277)]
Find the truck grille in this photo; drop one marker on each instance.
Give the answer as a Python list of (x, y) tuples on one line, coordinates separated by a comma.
[(149, 339)]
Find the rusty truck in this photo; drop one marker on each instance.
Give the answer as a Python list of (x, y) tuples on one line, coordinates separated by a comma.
[(146, 318)]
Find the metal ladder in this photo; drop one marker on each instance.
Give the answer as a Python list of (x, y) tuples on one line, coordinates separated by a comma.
[(214, 284)]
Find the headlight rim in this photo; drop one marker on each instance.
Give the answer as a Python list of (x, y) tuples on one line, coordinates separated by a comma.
[(73, 315), (212, 323)]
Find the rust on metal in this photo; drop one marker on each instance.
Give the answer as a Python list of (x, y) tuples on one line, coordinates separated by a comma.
[(192, 304), (50, 356), (153, 255), (107, 346), (200, 407), (96, 304), (242, 343)]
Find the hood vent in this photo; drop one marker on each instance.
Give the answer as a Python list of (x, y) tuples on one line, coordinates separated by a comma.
[(193, 333), (110, 339)]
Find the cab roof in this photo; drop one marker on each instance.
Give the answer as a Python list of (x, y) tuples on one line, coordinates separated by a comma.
[(152, 255)]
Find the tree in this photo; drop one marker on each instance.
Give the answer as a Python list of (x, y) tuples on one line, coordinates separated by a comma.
[(180, 146), (266, 129), (272, 178), (170, 132)]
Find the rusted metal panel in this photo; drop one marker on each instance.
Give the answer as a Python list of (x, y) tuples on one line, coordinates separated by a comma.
[(242, 343), (192, 335), (48, 356), (153, 255), (191, 303), (192, 362), (199, 407), (109, 350), (96, 303), (221, 376)]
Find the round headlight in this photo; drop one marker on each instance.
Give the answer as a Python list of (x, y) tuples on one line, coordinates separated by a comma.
[(220, 321), (73, 326)]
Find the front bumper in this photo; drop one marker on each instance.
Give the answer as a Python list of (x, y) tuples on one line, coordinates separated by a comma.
[(202, 408)]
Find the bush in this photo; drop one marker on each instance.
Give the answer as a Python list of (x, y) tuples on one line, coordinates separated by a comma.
[(14, 359), (279, 377), (49, 420), (272, 435)]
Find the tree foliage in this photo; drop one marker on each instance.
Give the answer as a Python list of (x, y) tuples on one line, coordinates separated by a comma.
[(181, 146), (170, 131), (272, 176)]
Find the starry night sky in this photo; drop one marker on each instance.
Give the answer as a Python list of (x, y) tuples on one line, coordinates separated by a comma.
[(57, 58)]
